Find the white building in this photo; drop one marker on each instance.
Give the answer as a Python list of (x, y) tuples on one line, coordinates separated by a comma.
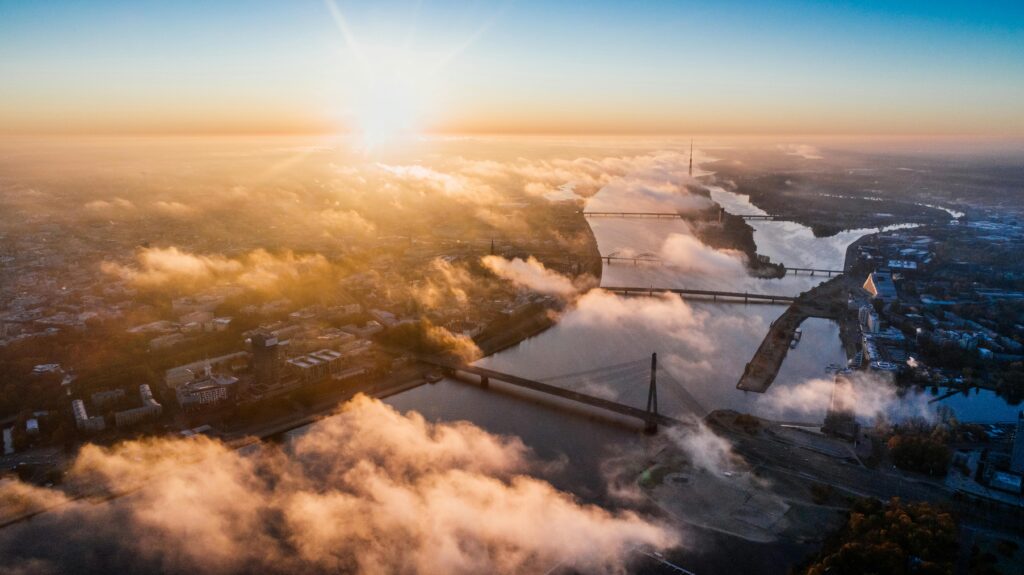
[(211, 389), (82, 419), (150, 408)]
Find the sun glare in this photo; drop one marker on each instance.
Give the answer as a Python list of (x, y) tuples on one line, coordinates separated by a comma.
[(387, 110)]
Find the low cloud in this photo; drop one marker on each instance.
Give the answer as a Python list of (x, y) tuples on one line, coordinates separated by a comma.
[(664, 313), (691, 255), (704, 448), (455, 343), (259, 269), (445, 284), (108, 207), (176, 209), (369, 490), (456, 186), (804, 151), (532, 274), (345, 222), (864, 394)]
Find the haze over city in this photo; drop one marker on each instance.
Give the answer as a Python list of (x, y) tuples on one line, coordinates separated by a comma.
[(511, 287)]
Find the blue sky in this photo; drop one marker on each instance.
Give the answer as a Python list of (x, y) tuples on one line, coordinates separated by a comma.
[(728, 66)]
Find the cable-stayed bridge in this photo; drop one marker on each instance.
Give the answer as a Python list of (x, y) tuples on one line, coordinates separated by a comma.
[(620, 388)]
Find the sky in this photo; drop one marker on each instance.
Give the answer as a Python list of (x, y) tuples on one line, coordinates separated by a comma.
[(723, 67)]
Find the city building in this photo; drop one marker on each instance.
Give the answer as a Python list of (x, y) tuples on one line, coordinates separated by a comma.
[(101, 398), (1017, 456), (150, 408), (879, 285), (209, 390), (266, 358), (82, 419), (315, 366), (182, 374)]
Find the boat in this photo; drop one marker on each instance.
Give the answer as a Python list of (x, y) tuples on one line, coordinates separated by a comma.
[(433, 377)]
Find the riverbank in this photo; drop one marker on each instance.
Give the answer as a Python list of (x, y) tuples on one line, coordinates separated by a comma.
[(506, 333), (537, 318)]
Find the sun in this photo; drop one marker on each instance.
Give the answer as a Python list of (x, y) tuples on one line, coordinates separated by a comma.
[(393, 84), (388, 109)]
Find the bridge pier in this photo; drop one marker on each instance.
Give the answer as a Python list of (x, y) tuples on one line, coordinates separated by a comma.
[(485, 382)]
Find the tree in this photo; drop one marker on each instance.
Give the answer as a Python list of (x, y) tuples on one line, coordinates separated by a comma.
[(893, 538), (921, 453)]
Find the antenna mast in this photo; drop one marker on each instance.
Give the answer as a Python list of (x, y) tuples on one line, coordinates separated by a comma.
[(691, 157)]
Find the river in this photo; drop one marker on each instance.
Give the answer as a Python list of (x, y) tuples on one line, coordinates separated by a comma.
[(703, 346)]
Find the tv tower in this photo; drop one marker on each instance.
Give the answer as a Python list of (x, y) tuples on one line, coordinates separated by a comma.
[(691, 157)]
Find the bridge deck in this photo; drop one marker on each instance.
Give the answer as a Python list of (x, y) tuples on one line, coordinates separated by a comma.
[(677, 215), (700, 292), (645, 416), (814, 270)]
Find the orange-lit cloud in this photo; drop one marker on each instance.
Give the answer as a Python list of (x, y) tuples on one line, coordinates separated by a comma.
[(367, 491)]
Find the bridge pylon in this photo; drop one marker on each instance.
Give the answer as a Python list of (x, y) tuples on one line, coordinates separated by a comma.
[(652, 395)]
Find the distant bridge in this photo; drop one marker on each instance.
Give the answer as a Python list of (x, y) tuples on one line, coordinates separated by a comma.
[(651, 258), (812, 271), (712, 294), (650, 416), (674, 215), (646, 257)]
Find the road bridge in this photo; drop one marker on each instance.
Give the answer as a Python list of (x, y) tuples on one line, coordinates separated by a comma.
[(678, 215), (646, 257), (714, 295), (650, 416), (813, 271)]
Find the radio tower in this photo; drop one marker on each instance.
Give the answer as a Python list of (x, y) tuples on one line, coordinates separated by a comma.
[(691, 157)]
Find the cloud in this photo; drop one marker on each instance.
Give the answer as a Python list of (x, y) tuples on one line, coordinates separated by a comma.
[(704, 448), (691, 255), (369, 490), (805, 151), (345, 222), (455, 186), (444, 284), (258, 269), (108, 207), (531, 274), (176, 209), (864, 394), (456, 343), (664, 313)]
